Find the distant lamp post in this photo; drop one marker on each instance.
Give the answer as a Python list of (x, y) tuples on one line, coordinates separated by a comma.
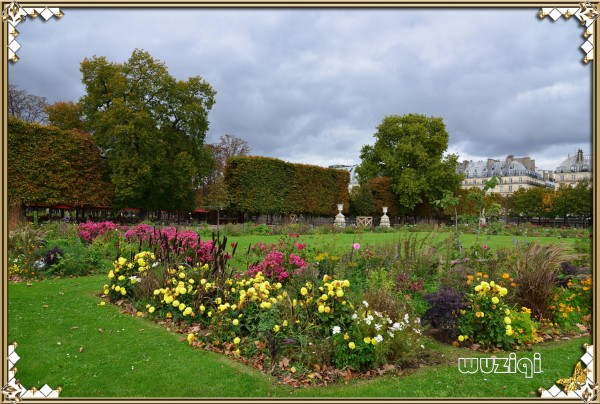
[(385, 220), (340, 220)]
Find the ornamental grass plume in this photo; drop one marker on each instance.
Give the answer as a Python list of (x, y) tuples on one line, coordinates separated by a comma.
[(537, 269)]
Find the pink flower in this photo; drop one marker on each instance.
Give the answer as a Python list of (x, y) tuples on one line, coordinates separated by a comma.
[(485, 247), (355, 246)]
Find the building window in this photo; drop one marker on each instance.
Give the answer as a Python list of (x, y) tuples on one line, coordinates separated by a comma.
[(510, 188), (562, 177), (520, 179), (511, 179), (573, 177)]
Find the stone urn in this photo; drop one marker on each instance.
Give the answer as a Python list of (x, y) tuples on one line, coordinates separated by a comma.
[(385, 220), (340, 220)]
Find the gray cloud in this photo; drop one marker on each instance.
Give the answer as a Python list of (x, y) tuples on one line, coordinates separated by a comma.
[(311, 86)]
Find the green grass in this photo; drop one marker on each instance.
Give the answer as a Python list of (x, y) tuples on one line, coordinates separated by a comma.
[(342, 242), (97, 351)]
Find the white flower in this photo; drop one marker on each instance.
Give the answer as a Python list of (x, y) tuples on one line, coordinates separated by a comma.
[(378, 314), (369, 319), (423, 346), (396, 326), (390, 333), (418, 321), (155, 265), (389, 320), (366, 303), (354, 316), (418, 331), (379, 338), (378, 327), (406, 318), (336, 329), (135, 278)]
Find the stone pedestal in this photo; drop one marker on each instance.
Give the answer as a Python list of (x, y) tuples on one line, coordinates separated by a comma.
[(385, 220), (340, 220)]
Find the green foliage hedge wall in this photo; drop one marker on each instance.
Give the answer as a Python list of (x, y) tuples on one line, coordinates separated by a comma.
[(262, 185), (51, 166)]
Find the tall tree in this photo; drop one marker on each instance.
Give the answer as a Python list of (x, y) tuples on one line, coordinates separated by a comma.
[(66, 115), (25, 106), (214, 191), (410, 150), (151, 128)]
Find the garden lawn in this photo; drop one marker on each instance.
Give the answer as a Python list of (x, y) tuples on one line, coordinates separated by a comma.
[(67, 339), (342, 242)]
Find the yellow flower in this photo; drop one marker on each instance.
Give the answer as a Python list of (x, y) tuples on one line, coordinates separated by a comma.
[(122, 261), (156, 292), (495, 300), (122, 277), (285, 323), (102, 303), (477, 288), (461, 338), (276, 328), (190, 338), (175, 303), (182, 275), (139, 314), (503, 291), (351, 345), (346, 337), (327, 309), (367, 340), (339, 293), (303, 291), (321, 309), (509, 331), (111, 274), (236, 340), (479, 314), (324, 297), (123, 291), (151, 309), (507, 320), (187, 311), (169, 315), (235, 322)]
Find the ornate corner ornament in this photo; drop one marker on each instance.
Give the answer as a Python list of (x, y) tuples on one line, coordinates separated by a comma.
[(582, 384), (587, 14), (14, 14), (14, 391)]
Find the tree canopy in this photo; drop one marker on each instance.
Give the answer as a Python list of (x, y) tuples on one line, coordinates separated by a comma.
[(410, 150), (150, 127), (25, 106)]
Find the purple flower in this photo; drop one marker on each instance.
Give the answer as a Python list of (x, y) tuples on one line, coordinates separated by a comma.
[(355, 246)]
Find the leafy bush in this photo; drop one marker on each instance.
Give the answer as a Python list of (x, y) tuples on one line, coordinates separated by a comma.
[(444, 311), (489, 321), (572, 304)]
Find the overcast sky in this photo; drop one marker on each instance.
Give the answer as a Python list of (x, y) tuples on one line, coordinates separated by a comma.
[(311, 86)]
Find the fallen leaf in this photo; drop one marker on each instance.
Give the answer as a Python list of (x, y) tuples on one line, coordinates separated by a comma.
[(581, 327), (80, 349), (29, 284), (284, 363), (475, 347), (45, 306), (74, 327), (101, 329)]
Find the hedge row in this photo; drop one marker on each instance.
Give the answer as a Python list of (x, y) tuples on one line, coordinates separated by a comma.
[(50, 166), (262, 185)]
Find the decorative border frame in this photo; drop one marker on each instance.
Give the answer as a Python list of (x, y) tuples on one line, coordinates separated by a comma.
[(587, 390), (14, 14), (587, 14), (14, 391)]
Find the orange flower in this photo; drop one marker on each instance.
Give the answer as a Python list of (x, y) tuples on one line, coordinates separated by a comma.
[(479, 274), (470, 277), (485, 276), (513, 284), (505, 275)]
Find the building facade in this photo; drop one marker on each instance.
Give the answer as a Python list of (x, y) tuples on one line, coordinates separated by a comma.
[(574, 169), (514, 174)]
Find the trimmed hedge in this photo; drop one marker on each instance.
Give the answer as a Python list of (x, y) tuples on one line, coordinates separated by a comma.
[(51, 166), (268, 186)]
